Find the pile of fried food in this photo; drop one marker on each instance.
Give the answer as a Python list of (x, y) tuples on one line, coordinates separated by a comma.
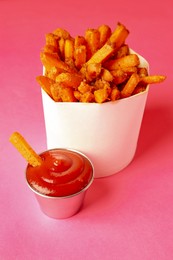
[(97, 67)]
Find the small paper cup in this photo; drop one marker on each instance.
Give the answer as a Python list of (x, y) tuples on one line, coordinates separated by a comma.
[(65, 206), (107, 133)]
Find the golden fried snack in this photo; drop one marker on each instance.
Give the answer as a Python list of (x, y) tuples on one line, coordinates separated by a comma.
[(52, 73), (97, 67), (139, 88), (118, 37), (80, 56), (130, 85), (130, 60), (119, 76), (142, 72), (92, 71), (69, 51), (153, 79), (60, 93), (50, 60), (50, 49), (51, 41), (69, 80), (84, 87), (115, 93), (92, 37), (123, 51), (105, 33), (106, 75), (130, 70), (25, 149), (67, 95), (115, 41), (79, 40), (77, 95), (45, 83), (101, 95), (102, 54), (100, 84), (56, 92), (61, 44), (61, 33), (87, 97)]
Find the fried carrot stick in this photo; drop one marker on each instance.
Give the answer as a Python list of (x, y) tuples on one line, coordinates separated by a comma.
[(25, 149)]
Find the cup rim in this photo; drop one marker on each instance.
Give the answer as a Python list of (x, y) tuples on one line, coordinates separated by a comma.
[(71, 195)]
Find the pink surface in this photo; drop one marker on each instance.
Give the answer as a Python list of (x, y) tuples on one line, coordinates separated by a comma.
[(126, 216)]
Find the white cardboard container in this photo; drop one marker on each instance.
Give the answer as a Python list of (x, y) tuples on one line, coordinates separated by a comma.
[(107, 133)]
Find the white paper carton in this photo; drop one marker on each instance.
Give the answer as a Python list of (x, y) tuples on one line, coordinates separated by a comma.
[(107, 133)]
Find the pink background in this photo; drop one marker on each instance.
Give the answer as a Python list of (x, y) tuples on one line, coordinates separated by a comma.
[(126, 216)]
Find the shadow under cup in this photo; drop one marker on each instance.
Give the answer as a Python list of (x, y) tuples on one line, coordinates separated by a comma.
[(107, 133)]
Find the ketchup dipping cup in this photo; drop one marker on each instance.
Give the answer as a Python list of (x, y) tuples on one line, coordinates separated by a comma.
[(61, 182)]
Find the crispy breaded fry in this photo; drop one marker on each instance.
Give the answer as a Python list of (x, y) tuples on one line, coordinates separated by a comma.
[(49, 60), (56, 92), (130, 85), (130, 70), (142, 72), (119, 76), (101, 59), (115, 94), (69, 50), (84, 87), (102, 54), (69, 80), (51, 49), (51, 40), (45, 83), (79, 40), (25, 149), (118, 37), (106, 75), (87, 97), (100, 84), (80, 56), (92, 37), (77, 94), (53, 73), (67, 95), (139, 88), (105, 33), (92, 71), (101, 95), (61, 33), (130, 60), (60, 93), (153, 79), (123, 51), (61, 44)]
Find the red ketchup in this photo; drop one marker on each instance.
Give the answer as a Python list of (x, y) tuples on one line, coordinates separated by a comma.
[(62, 173)]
